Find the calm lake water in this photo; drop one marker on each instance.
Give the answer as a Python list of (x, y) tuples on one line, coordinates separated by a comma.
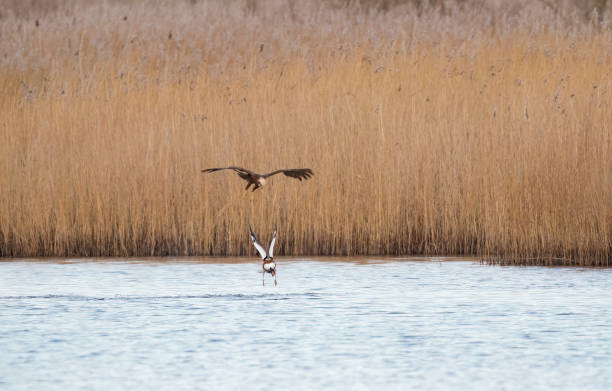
[(143, 325)]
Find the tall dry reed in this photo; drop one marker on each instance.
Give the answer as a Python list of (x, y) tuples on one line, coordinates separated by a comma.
[(430, 132)]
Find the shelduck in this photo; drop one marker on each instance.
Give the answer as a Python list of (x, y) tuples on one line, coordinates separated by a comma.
[(269, 266)]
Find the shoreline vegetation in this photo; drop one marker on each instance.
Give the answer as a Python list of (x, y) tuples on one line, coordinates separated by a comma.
[(467, 128)]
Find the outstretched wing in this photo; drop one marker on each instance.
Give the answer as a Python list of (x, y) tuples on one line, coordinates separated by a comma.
[(237, 169), (258, 246), (271, 249), (297, 173), (243, 173)]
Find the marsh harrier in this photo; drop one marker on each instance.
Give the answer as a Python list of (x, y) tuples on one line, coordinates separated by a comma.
[(258, 180)]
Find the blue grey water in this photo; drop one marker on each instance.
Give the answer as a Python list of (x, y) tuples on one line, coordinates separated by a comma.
[(403, 324)]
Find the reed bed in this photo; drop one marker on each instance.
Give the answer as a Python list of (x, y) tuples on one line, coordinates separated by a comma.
[(431, 130)]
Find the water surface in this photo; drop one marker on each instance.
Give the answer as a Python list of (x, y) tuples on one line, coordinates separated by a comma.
[(371, 324)]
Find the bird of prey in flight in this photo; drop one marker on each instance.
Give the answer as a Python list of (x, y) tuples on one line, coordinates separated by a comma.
[(258, 180)]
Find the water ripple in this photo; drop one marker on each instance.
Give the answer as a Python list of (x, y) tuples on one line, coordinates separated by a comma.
[(236, 296)]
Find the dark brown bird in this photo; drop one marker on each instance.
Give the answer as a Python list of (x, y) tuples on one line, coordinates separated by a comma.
[(258, 180)]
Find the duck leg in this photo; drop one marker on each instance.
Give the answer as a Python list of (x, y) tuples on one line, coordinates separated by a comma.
[(263, 275)]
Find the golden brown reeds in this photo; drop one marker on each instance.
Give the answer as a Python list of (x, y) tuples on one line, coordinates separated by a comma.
[(426, 135)]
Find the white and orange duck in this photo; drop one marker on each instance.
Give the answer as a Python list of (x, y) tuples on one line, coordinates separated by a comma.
[(269, 266)]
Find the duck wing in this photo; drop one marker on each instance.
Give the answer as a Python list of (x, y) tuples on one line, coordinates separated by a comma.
[(271, 248), (260, 249)]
